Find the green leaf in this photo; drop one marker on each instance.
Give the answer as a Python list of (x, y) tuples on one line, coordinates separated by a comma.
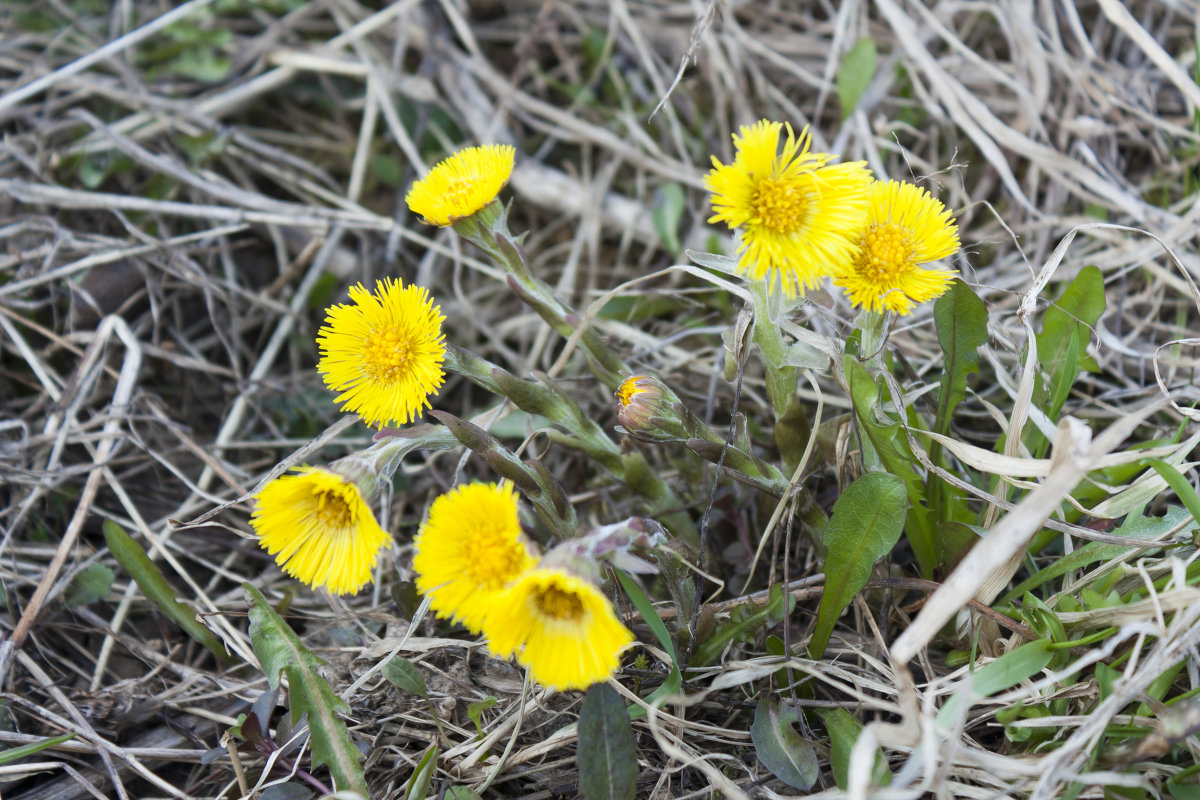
[(475, 712), (90, 584), (1180, 485), (607, 757), (780, 747), (858, 68), (668, 211), (461, 793), (150, 580), (744, 623), (403, 673), (1135, 527), (1003, 673), (961, 319), (866, 524), (13, 753), (843, 732), (674, 681), (281, 651), (418, 785)]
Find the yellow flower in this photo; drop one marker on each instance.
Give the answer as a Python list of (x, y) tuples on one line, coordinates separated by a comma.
[(796, 211), (462, 184), (468, 550), (320, 529), (383, 352), (905, 227), (560, 626)]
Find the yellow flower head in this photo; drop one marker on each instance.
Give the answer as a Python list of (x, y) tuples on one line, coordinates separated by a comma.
[(796, 211), (468, 550), (320, 529), (629, 389), (462, 184), (905, 227), (560, 626), (383, 352)]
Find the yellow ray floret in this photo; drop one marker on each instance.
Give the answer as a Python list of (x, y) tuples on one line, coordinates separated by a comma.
[(468, 550), (383, 352), (462, 184), (560, 626), (320, 529), (796, 211), (905, 227)]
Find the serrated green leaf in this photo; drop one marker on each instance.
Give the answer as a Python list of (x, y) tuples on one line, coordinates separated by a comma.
[(607, 757), (90, 584), (281, 651), (668, 212), (1002, 673), (843, 732), (855, 74), (150, 580), (13, 753), (418, 786), (403, 673), (866, 523), (780, 747)]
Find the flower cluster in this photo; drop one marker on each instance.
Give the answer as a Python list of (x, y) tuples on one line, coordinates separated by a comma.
[(474, 565), (803, 217)]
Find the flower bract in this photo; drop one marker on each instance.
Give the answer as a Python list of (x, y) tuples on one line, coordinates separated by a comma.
[(560, 626), (905, 228), (383, 352), (462, 184), (796, 211), (320, 529), (468, 550)]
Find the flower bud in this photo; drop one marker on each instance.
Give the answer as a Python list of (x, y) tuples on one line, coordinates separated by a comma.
[(649, 411)]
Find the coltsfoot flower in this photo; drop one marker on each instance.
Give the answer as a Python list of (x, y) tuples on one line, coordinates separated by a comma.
[(320, 529), (560, 626), (462, 184), (797, 212), (648, 410), (383, 352), (905, 228), (468, 550)]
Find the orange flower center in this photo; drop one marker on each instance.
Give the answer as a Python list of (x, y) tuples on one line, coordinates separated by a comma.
[(780, 205), (385, 358), (558, 604), (886, 254), (336, 507), (493, 559)]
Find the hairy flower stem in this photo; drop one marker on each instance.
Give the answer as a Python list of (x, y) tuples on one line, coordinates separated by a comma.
[(790, 419)]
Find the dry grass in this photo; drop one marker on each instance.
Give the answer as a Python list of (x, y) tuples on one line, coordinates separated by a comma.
[(169, 244)]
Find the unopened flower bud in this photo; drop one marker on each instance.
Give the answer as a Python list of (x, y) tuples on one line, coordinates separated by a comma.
[(649, 411)]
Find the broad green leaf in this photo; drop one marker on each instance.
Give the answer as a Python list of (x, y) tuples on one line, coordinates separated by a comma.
[(13, 753), (89, 585), (418, 785), (1180, 485), (281, 651), (150, 580), (1137, 527), (607, 758), (1003, 673), (780, 747), (403, 673), (461, 793), (668, 211), (866, 524), (891, 446), (855, 74), (843, 732), (961, 319)]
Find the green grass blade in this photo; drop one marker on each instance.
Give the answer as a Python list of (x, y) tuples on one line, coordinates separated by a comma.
[(13, 753)]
